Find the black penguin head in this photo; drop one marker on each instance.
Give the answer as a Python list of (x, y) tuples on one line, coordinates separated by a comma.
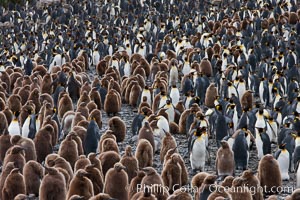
[(199, 131), (282, 146)]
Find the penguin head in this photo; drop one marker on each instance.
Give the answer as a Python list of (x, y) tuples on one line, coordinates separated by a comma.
[(16, 114), (296, 123), (224, 144), (248, 174), (149, 170), (17, 149), (199, 131), (282, 146), (118, 167)]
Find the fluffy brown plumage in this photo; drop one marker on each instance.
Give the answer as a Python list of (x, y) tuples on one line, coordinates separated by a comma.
[(116, 176)]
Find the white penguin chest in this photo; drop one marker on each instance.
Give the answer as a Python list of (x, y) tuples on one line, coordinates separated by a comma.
[(14, 128)]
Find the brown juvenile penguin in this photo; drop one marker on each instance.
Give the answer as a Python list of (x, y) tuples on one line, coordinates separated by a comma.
[(118, 126), (207, 186), (43, 142), (168, 142), (171, 174), (95, 97), (236, 193), (269, 173), (65, 104), (15, 154), (9, 114), (34, 97), (133, 187), (5, 144), (108, 160), (227, 182), (5, 172), (144, 103), (97, 116), (84, 97), (46, 86), (55, 134), (225, 164), (33, 174), (197, 181), (151, 178), (50, 159), (83, 109), (247, 100), (144, 153), (210, 96), (95, 175), (14, 185), (3, 125), (81, 163), (184, 173), (91, 106), (24, 94), (252, 182), (112, 103), (48, 98), (107, 134), (77, 118), (182, 121), (27, 144), (81, 185), (174, 128), (62, 163), (116, 176), (146, 133), (14, 103), (93, 157), (49, 186), (180, 195), (205, 67), (109, 144), (80, 132), (68, 150), (130, 163), (135, 93)]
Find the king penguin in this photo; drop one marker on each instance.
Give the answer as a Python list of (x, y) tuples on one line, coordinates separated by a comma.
[(14, 127), (241, 153), (282, 155), (263, 143), (197, 149)]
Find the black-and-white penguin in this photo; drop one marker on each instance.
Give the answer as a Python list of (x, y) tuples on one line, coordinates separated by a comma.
[(197, 149), (14, 127), (282, 155), (263, 143)]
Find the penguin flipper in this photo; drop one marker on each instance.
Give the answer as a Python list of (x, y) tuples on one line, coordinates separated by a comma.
[(191, 142), (276, 154)]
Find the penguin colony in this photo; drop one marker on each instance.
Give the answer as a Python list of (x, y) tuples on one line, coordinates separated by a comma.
[(197, 75)]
